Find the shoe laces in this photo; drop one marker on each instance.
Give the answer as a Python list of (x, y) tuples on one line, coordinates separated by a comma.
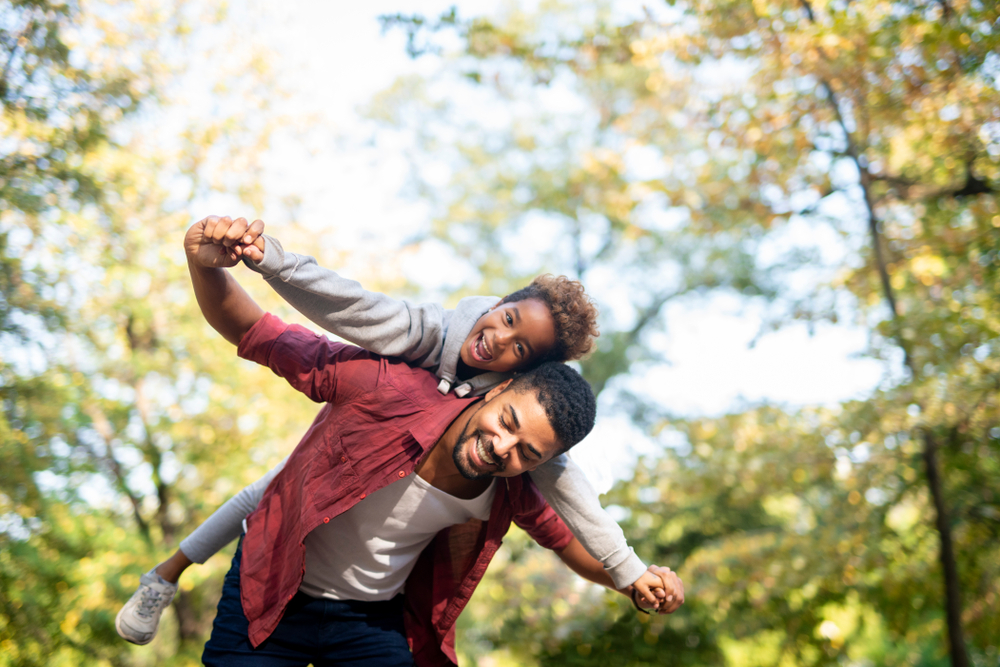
[(148, 602)]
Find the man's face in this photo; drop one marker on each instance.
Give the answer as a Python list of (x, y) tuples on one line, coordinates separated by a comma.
[(509, 434), (509, 336)]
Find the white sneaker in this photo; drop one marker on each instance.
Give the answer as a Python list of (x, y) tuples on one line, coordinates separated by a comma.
[(139, 618)]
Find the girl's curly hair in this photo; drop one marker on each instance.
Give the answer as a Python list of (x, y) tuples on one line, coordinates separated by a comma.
[(573, 312)]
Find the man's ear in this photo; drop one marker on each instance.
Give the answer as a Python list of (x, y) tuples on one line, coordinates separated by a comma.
[(497, 390)]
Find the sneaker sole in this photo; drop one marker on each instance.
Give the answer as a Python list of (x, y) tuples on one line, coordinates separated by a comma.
[(118, 627)]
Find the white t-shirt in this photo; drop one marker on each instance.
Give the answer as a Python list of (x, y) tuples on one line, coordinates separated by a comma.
[(368, 551)]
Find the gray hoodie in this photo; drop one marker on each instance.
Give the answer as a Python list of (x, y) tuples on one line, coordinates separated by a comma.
[(428, 336)]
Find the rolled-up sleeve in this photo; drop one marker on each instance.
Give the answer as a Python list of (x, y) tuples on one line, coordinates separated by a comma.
[(323, 370), (541, 522)]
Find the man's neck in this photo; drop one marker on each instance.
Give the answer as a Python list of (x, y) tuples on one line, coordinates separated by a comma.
[(438, 468)]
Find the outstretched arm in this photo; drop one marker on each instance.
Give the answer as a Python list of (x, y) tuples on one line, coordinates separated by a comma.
[(225, 305), (374, 321), (665, 585), (567, 490)]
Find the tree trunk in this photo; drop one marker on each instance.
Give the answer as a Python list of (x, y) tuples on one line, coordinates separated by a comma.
[(952, 589)]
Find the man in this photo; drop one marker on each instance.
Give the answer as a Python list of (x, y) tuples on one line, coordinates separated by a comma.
[(347, 526)]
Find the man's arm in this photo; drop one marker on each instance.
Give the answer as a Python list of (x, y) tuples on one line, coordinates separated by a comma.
[(323, 370), (571, 495), (225, 305), (669, 589)]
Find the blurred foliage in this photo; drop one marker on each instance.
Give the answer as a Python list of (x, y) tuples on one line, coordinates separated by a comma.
[(124, 423), (823, 159), (839, 160)]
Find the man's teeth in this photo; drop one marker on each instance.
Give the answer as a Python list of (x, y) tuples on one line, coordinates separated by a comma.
[(481, 452)]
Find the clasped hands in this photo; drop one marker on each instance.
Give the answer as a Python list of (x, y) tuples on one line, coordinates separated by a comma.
[(658, 588), (220, 241)]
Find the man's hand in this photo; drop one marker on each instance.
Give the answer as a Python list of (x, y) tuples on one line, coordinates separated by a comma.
[(225, 305), (219, 242), (659, 588)]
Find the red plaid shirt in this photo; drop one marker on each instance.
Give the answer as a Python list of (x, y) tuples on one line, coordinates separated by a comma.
[(380, 420)]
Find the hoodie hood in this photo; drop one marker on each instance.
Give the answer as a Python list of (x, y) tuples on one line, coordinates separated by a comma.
[(458, 324)]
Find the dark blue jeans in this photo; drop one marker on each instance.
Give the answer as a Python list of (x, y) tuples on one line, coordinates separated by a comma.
[(312, 631)]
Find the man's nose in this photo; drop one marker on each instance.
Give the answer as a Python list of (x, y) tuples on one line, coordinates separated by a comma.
[(503, 445)]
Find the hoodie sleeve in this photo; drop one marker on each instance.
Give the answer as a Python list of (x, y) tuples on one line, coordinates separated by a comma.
[(376, 322), (567, 490)]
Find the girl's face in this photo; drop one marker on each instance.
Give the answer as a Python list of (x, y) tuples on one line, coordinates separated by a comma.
[(511, 335)]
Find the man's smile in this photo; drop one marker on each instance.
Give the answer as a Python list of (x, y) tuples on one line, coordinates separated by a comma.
[(485, 454)]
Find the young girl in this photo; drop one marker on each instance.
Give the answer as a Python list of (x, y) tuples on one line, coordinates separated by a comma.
[(471, 349)]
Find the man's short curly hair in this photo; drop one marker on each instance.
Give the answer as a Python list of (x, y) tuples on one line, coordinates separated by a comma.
[(573, 312), (566, 397)]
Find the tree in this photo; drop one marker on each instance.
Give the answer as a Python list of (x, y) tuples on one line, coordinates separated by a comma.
[(125, 422), (699, 137)]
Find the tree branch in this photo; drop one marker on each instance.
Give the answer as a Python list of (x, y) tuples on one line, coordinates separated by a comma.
[(912, 190), (945, 9), (15, 45), (864, 180), (156, 461), (103, 428)]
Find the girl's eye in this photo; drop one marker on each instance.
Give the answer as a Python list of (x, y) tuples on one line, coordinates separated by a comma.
[(510, 320), (520, 349)]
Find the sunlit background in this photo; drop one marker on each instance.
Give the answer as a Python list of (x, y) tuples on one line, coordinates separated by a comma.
[(785, 413)]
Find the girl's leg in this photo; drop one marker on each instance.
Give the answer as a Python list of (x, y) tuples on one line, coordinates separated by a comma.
[(139, 619), (172, 568)]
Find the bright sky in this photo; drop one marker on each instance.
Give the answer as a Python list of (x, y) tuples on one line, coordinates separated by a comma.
[(332, 58)]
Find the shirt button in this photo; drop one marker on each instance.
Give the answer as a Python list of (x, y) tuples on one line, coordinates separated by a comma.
[(402, 473), (326, 519), (343, 459), (291, 596), (363, 496)]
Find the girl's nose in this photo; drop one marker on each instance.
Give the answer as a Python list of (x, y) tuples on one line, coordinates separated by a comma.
[(501, 339)]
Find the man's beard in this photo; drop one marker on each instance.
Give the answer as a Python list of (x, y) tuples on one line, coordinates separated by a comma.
[(463, 463)]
